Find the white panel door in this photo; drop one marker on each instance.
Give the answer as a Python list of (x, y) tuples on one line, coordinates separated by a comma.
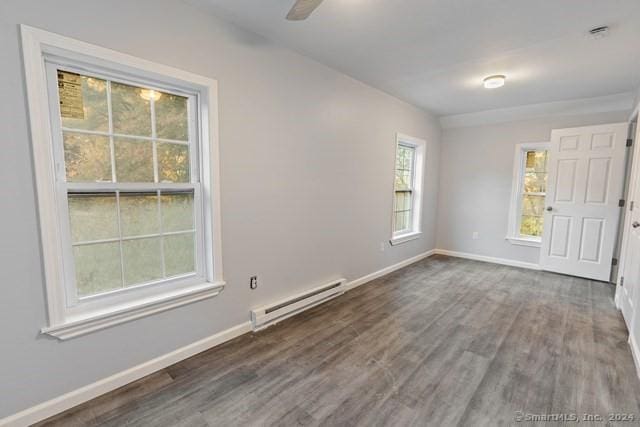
[(585, 184)]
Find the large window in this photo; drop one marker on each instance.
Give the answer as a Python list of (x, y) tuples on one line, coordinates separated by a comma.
[(407, 196), (127, 177), (528, 195), (132, 224)]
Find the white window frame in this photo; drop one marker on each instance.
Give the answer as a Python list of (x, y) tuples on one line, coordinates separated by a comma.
[(67, 320), (515, 207), (419, 146)]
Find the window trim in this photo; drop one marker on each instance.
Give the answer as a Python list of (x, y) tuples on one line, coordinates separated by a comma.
[(415, 232), (519, 161), (39, 45), (97, 302)]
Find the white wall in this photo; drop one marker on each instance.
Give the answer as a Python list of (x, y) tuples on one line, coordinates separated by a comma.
[(307, 166), (476, 169)]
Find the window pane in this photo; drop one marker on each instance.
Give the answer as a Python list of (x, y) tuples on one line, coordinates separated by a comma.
[(401, 221), (536, 161), (139, 214), (177, 211), (398, 221), (405, 157), (535, 182), (173, 162), (142, 260), (532, 205), (179, 254), (97, 268), (408, 159), (531, 226), (131, 111), (403, 201), (91, 112), (134, 160), (399, 161), (403, 180), (407, 219), (171, 117), (87, 157), (93, 217)]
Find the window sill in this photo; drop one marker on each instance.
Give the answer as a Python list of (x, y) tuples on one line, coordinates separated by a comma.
[(403, 238), (525, 241), (95, 321)]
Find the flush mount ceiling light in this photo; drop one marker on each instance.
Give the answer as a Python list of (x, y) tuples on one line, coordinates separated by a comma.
[(493, 82)]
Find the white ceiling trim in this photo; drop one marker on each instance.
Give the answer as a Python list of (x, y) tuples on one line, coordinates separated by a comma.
[(602, 104)]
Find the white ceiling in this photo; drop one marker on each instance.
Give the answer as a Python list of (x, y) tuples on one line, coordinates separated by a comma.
[(434, 53)]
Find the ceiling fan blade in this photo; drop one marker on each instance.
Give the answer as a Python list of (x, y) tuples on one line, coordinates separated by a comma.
[(302, 9)]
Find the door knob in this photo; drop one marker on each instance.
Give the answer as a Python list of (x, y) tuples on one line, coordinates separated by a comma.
[(635, 224), (549, 208)]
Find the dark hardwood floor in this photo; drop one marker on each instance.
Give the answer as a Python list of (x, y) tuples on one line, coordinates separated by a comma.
[(441, 342)]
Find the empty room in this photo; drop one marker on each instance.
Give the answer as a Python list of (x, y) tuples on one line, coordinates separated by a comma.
[(320, 212)]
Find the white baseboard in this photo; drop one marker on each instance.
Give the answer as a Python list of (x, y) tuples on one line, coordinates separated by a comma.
[(69, 400), (493, 260), (91, 391), (635, 353), (369, 277)]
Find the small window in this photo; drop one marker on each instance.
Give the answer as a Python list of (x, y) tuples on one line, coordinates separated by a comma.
[(404, 182), (129, 214), (407, 194), (529, 193)]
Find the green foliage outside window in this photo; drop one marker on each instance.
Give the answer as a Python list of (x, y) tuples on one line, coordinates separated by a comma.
[(534, 192), (120, 133)]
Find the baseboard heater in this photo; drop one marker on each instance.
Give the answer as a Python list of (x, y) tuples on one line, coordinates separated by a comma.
[(266, 316)]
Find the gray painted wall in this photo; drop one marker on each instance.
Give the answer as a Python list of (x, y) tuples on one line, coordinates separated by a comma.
[(476, 169), (307, 160)]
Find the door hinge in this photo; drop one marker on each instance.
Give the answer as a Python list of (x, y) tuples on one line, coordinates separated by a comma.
[(614, 261), (631, 204), (621, 203), (629, 142), (622, 281)]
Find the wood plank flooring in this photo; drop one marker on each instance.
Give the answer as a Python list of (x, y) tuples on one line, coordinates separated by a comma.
[(441, 342)]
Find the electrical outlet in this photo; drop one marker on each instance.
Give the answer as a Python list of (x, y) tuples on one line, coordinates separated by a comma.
[(253, 282), (476, 235)]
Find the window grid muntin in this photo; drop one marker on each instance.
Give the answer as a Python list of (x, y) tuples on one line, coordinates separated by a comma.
[(410, 190), (114, 186), (123, 136)]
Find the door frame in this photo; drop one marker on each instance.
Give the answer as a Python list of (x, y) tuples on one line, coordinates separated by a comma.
[(632, 180)]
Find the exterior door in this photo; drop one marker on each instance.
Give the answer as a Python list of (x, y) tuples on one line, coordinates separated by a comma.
[(586, 181)]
